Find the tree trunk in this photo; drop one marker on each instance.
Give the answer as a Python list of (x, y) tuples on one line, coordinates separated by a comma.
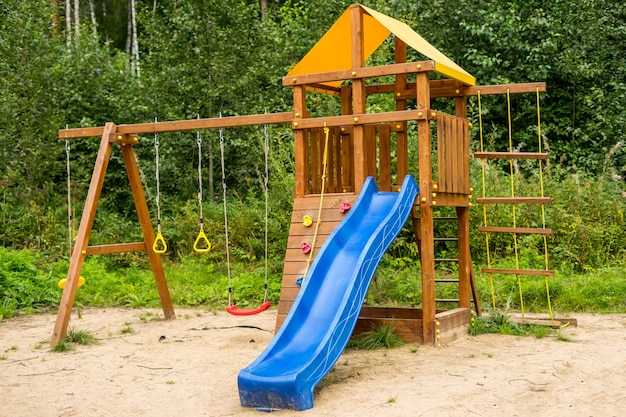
[(92, 11), (55, 18), (77, 19), (263, 9), (210, 84), (68, 21), (134, 59)]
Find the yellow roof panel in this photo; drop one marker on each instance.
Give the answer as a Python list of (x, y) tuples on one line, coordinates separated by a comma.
[(333, 52)]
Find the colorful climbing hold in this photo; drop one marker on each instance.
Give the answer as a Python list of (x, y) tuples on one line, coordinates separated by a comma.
[(306, 247), (345, 206), (307, 220)]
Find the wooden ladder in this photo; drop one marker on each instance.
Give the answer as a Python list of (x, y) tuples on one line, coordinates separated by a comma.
[(474, 291), (514, 200)]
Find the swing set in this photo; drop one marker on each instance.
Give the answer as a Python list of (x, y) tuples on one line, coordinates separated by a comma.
[(334, 156), (126, 137)]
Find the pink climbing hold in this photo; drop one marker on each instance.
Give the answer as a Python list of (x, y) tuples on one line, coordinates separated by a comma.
[(345, 206), (306, 247)]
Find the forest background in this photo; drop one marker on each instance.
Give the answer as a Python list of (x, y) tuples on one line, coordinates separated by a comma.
[(78, 63)]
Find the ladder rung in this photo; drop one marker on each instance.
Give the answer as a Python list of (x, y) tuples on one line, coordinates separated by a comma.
[(511, 155), (546, 273), (446, 260), (447, 280), (446, 239), (514, 200), (523, 230), (446, 300), (446, 218)]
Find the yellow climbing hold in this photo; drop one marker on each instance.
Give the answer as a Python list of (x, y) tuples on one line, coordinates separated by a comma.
[(307, 221)]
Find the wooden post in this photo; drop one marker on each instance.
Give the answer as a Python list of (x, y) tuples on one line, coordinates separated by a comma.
[(358, 97), (299, 136), (347, 144), (82, 238), (465, 263), (402, 151), (426, 211), (143, 213)]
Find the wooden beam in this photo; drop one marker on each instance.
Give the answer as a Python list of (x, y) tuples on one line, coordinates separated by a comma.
[(451, 88), (182, 125), (300, 142), (486, 90), (463, 216), (427, 248), (132, 170), (115, 248), (359, 73), (358, 96), (521, 230), (361, 119), (402, 148), (511, 155), (507, 271), (514, 200)]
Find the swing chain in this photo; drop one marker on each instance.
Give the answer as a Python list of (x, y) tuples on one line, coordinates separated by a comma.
[(199, 142), (157, 199), (159, 245), (69, 197), (230, 287), (201, 244)]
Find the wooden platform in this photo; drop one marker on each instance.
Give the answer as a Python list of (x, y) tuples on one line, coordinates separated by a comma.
[(449, 324), (555, 323)]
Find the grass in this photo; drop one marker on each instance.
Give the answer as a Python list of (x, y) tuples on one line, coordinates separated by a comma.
[(72, 338), (498, 323), (382, 336), (80, 337), (29, 284)]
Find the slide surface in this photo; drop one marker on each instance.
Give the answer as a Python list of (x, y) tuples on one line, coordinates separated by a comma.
[(323, 316)]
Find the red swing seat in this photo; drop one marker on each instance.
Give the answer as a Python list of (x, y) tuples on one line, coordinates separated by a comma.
[(236, 311)]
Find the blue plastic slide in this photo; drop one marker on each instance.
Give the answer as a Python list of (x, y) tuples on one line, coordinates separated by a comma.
[(323, 316)]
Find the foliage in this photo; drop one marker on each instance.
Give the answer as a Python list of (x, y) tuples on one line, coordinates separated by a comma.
[(25, 283)]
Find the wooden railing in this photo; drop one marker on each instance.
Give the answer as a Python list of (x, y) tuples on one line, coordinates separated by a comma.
[(385, 154)]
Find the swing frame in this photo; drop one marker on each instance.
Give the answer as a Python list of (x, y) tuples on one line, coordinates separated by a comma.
[(125, 137)]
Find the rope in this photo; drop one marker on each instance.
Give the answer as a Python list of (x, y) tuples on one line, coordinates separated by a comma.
[(69, 198), (319, 211), (483, 162), (230, 287), (543, 209), (513, 213), (159, 245), (232, 309)]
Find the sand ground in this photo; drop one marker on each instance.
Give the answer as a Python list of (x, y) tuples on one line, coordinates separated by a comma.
[(144, 366)]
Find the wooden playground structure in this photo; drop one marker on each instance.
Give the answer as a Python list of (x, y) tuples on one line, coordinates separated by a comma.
[(330, 168)]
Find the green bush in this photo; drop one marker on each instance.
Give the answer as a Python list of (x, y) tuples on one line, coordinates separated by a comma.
[(25, 283)]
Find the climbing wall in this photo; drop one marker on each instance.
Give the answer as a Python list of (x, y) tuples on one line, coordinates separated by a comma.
[(301, 235)]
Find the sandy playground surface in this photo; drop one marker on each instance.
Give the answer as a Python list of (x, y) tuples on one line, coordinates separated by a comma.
[(188, 367)]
